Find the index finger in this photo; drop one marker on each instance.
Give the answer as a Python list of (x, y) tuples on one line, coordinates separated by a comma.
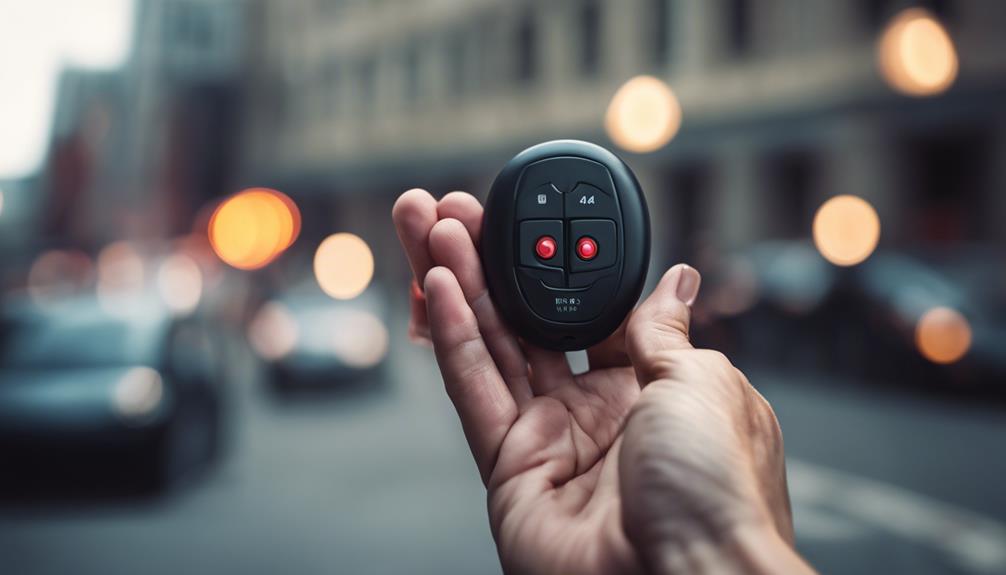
[(466, 209), (414, 214), (483, 402)]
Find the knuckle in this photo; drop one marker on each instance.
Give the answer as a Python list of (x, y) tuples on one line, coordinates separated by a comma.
[(664, 364), (671, 315)]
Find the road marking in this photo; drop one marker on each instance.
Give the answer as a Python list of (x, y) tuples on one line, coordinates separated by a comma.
[(974, 541)]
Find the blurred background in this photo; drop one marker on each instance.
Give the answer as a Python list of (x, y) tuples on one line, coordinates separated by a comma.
[(203, 307)]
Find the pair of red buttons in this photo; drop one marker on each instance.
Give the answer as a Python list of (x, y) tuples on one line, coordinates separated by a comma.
[(586, 248)]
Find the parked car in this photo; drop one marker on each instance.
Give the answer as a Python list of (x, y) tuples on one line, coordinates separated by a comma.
[(310, 340), (86, 393), (781, 304)]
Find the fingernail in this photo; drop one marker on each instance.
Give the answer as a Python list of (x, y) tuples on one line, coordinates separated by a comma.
[(688, 285)]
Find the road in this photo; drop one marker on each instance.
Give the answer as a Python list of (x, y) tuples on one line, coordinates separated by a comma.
[(379, 480)]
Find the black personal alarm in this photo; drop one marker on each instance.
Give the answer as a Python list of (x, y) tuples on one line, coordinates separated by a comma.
[(565, 243)]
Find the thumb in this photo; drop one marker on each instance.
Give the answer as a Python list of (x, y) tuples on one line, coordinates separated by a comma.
[(660, 324)]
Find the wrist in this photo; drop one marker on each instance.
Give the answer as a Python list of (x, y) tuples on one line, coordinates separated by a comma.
[(747, 549)]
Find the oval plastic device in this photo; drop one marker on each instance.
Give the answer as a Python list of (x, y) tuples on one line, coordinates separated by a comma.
[(588, 201)]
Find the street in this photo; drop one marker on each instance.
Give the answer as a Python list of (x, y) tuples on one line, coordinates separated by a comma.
[(379, 480)]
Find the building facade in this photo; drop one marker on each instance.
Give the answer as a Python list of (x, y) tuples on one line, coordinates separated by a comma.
[(783, 106)]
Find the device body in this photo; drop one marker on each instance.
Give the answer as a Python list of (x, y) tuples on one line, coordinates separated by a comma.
[(565, 243)]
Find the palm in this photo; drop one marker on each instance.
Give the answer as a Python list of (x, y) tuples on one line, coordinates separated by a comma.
[(546, 441), (553, 495)]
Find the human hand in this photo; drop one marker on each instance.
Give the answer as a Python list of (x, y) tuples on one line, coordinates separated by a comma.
[(547, 442), (702, 470)]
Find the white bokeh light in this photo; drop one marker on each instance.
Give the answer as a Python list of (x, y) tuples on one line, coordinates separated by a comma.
[(180, 283), (138, 393)]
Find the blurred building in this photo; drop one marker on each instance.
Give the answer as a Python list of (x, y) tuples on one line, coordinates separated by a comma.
[(783, 106), (135, 151)]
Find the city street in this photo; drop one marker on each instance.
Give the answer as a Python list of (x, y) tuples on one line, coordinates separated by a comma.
[(378, 480), (210, 214)]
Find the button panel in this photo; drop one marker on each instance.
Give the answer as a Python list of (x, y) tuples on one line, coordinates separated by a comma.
[(567, 201), (562, 304)]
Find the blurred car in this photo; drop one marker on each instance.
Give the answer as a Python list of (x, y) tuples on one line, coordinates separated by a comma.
[(87, 391), (781, 304), (309, 340), (965, 349)]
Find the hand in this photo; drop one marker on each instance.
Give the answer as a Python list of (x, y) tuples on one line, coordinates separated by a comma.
[(548, 443), (702, 471)]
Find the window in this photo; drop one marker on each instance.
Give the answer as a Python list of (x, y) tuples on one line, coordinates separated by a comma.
[(660, 33), (942, 8), (330, 87), (792, 178), (738, 27), (692, 201), (457, 61), (526, 65), (368, 83), (949, 177), (411, 63), (590, 37), (876, 13), (192, 26), (486, 54)]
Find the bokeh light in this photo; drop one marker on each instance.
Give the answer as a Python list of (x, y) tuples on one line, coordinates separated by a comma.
[(943, 335), (916, 55), (273, 332), (360, 339), (121, 279), (180, 283), (120, 269), (343, 265), (138, 393), (846, 230), (57, 274), (252, 228), (643, 116)]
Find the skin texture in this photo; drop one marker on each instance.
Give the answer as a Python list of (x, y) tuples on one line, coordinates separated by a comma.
[(661, 458)]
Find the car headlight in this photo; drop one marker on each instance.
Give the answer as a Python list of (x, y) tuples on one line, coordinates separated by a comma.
[(138, 393), (359, 338)]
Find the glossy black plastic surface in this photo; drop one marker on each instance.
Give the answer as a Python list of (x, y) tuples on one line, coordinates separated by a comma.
[(567, 190)]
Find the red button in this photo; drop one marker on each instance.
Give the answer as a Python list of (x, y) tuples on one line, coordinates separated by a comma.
[(545, 248), (586, 248)]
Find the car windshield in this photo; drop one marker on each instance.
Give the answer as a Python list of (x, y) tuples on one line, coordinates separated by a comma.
[(45, 341)]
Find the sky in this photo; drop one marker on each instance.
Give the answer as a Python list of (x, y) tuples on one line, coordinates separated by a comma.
[(38, 39)]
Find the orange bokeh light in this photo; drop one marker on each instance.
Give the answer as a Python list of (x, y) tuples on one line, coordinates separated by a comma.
[(916, 55), (343, 265), (846, 230), (644, 115), (943, 335), (250, 229)]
